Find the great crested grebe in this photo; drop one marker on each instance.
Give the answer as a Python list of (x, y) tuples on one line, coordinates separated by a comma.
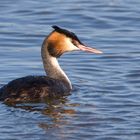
[(32, 88)]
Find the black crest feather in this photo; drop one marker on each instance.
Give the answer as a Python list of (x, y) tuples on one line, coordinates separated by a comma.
[(66, 32)]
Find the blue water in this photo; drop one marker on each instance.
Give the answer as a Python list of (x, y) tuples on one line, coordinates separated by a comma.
[(105, 101)]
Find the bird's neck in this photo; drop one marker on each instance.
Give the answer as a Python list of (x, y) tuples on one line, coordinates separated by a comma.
[(52, 67)]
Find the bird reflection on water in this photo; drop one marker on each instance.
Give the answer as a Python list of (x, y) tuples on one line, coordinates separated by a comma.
[(54, 108)]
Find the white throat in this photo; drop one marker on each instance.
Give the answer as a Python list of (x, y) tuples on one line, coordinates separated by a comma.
[(52, 67)]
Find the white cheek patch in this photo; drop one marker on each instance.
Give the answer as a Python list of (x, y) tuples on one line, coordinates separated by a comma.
[(71, 46)]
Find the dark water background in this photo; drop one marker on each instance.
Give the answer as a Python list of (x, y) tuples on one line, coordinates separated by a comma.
[(105, 102)]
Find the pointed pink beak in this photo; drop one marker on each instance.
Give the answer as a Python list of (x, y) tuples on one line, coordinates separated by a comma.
[(88, 49)]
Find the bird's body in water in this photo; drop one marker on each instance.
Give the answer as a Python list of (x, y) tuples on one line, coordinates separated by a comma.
[(56, 83)]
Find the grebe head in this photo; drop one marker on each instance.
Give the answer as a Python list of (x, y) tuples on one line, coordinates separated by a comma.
[(62, 40)]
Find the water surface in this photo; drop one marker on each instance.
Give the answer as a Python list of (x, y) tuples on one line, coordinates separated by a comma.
[(104, 104)]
